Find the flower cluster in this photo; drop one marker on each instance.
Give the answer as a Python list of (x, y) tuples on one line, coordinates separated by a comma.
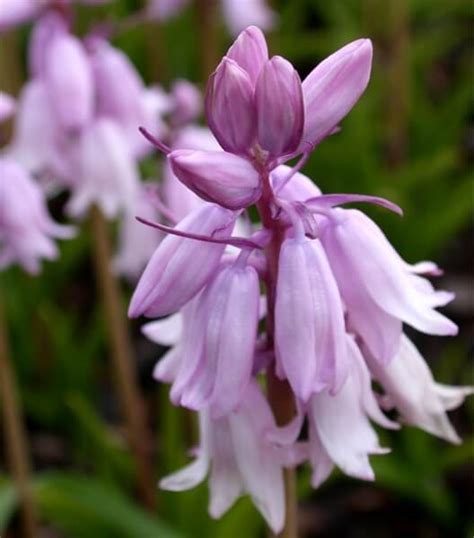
[(76, 128), (336, 292)]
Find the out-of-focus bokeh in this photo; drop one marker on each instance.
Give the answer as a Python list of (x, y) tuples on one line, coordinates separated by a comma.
[(409, 139)]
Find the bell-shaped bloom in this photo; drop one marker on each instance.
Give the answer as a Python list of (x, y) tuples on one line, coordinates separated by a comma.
[(377, 286), (217, 363), (309, 319), (69, 83), (280, 111), (409, 386), (239, 15), (26, 229), (333, 87), (108, 176), (186, 102), (180, 267), (236, 453), (340, 432), (136, 241), (13, 12), (250, 52), (217, 176), (48, 28), (38, 142), (230, 108), (7, 106)]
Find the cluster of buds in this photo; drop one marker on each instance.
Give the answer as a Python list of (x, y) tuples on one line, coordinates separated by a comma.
[(336, 291)]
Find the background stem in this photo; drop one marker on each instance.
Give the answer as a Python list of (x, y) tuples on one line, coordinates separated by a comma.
[(207, 33), (14, 434), (122, 357)]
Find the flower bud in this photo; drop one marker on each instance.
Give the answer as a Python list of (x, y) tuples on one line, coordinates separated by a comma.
[(250, 52), (230, 108), (180, 267), (217, 176), (279, 101), (69, 82), (334, 87)]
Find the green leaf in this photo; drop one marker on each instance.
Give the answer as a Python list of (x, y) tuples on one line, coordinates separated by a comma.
[(8, 502), (83, 506)]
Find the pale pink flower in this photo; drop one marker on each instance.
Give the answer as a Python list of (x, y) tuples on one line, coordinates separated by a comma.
[(27, 231)]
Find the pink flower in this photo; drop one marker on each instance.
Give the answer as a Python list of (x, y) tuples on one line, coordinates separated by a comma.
[(68, 81), (108, 175), (309, 320), (333, 87), (26, 229), (410, 387), (279, 127), (180, 267), (217, 176), (36, 131), (334, 286), (236, 452), (339, 428), (178, 198), (122, 95), (219, 346), (378, 287)]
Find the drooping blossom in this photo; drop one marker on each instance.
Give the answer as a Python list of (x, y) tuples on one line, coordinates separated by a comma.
[(337, 292), (108, 175), (27, 231), (239, 458), (410, 387)]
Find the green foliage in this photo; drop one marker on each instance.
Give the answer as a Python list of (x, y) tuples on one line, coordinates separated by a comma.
[(84, 506)]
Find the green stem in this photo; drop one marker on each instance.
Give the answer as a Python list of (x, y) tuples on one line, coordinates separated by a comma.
[(122, 356), (280, 395)]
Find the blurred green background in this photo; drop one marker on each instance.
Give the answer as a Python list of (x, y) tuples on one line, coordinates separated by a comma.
[(410, 139)]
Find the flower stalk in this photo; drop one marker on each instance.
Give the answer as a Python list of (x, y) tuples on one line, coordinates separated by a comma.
[(279, 392), (14, 434), (207, 28), (122, 359)]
